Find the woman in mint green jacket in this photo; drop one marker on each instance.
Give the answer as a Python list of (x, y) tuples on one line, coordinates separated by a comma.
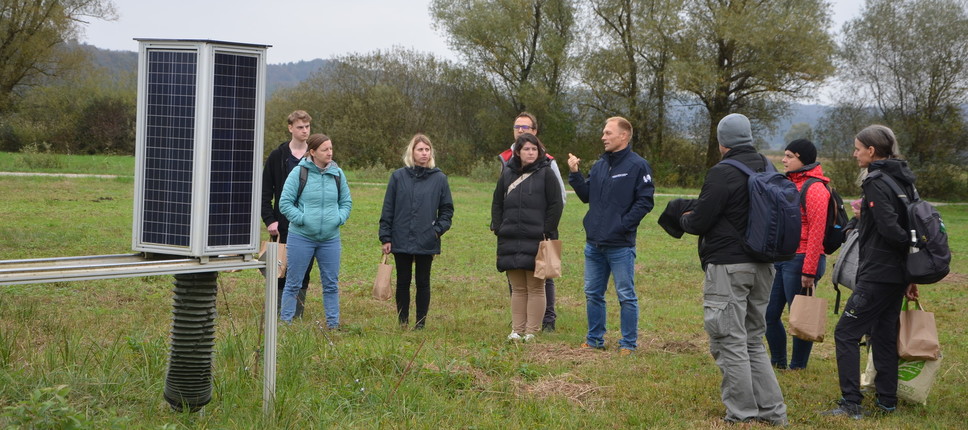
[(315, 210)]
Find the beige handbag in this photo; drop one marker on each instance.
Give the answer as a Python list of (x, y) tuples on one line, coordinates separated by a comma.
[(547, 262), (808, 317), (280, 254), (381, 286), (917, 338)]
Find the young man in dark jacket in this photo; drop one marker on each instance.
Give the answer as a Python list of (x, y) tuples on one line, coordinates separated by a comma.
[(737, 287), (619, 192), (281, 161)]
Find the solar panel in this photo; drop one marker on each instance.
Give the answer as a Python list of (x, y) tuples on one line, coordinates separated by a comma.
[(169, 147), (233, 141), (199, 147)]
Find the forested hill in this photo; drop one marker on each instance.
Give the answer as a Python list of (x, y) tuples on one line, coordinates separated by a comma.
[(279, 76), (286, 75)]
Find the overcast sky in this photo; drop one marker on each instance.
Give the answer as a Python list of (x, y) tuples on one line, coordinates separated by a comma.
[(297, 30)]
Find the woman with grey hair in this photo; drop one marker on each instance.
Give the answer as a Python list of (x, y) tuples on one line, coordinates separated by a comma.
[(875, 304)]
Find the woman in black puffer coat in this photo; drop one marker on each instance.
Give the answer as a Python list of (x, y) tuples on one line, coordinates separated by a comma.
[(525, 210)]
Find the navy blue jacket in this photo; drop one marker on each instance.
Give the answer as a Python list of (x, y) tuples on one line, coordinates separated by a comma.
[(417, 210), (619, 192)]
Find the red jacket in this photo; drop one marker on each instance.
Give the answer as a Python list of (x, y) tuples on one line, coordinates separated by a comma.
[(813, 217)]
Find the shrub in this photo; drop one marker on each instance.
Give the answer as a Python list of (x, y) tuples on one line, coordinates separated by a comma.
[(37, 156), (485, 170)]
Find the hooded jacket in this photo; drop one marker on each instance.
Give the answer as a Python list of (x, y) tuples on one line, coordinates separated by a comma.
[(274, 176), (619, 192), (884, 239), (813, 217), (526, 215), (417, 210), (722, 209), (322, 208)]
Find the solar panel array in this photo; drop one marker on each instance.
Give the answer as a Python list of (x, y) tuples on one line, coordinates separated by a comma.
[(233, 142), (169, 146)]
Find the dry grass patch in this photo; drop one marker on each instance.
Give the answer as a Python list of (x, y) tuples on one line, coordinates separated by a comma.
[(583, 394)]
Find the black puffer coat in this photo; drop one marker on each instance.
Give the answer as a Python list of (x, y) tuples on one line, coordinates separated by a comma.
[(417, 210), (526, 215)]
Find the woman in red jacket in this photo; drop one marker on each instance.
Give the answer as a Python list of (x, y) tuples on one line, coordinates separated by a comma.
[(803, 271)]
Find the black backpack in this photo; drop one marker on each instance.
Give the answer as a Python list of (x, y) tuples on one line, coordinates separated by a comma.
[(929, 257), (836, 217), (773, 229)]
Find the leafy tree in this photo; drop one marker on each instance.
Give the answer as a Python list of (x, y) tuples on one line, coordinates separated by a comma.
[(750, 56), (800, 130), (909, 59), (372, 104), (625, 64), (32, 39), (520, 46)]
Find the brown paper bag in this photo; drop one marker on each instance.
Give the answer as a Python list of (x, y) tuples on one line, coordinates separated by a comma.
[(547, 263), (381, 286), (917, 338), (808, 317), (280, 253)]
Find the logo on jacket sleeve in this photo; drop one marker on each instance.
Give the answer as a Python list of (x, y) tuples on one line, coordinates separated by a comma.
[(647, 179)]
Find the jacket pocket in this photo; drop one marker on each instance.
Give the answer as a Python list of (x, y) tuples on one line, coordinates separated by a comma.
[(716, 317)]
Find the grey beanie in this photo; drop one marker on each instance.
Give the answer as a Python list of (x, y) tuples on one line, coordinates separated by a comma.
[(734, 130)]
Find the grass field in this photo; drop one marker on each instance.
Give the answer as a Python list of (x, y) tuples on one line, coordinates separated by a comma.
[(94, 353)]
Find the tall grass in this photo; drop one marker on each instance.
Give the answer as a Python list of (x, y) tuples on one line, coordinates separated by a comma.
[(102, 346)]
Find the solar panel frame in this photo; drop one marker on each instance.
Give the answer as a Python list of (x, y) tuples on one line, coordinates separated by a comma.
[(204, 147)]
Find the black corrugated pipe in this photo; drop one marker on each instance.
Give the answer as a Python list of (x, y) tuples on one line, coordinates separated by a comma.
[(188, 383)]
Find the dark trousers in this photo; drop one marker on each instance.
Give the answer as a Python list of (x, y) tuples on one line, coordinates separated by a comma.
[(405, 272), (301, 297), (873, 308), (549, 314)]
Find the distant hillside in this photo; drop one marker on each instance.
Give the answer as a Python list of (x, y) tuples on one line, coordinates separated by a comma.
[(278, 76), (809, 114)]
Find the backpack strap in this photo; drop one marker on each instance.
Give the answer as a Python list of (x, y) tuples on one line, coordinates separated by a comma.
[(901, 194), (303, 177), (746, 169)]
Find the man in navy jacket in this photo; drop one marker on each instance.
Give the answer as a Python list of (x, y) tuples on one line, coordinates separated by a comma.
[(619, 192)]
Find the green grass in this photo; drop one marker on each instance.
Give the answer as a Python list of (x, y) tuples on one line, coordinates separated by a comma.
[(60, 163), (96, 351)]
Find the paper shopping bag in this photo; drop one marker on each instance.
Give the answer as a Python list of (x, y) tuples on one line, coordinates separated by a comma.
[(381, 286), (917, 338), (280, 255), (547, 263), (808, 317)]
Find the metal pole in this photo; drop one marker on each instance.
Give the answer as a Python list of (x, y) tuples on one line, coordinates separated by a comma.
[(271, 321)]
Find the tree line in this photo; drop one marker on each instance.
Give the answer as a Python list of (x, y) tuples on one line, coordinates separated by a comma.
[(672, 67)]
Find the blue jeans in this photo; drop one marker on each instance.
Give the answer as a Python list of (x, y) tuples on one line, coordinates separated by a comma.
[(786, 285), (299, 252), (600, 261)]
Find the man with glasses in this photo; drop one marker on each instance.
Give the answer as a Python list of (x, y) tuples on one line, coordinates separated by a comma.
[(526, 123)]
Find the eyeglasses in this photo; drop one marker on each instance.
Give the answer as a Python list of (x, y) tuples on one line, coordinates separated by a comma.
[(523, 127)]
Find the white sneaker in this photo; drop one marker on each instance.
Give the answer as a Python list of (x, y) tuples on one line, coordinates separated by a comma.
[(514, 336), (528, 337)]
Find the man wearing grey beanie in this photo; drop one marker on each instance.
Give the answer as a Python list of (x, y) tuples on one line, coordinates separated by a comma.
[(737, 286)]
